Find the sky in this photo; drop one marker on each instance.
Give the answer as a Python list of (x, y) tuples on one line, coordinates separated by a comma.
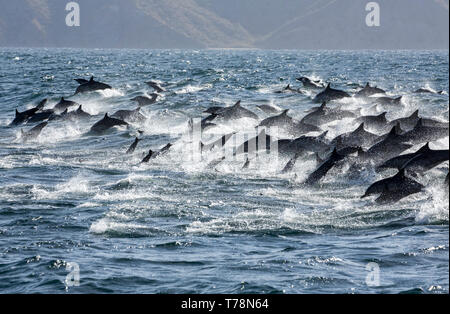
[(281, 24)]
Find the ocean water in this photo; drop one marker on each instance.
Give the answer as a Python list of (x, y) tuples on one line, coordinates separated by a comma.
[(177, 226)]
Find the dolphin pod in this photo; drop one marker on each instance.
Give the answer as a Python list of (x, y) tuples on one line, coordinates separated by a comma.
[(374, 141)]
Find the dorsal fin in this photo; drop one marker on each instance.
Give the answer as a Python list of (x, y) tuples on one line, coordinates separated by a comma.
[(328, 86), (367, 85), (62, 99), (419, 123), (238, 104), (284, 113), (262, 133), (398, 99), (323, 106), (398, 128), (65, 112), (17, 112), (425, 148), (106, 116), (92, 79), (382, 115), (415, 114), (360, 128), (80, 109), (323, 135), (360, 151), (393, 132), (288, 87), (318, 159), (401, 173)]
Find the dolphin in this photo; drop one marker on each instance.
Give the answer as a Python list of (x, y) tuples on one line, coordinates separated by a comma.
[(284, 122), (80, 114), (22, 117), (291, 163), (105, 124), (304, 144), (41, 116), (330, 94), (289, 89), (133, 146), (33, 133), (236, 112), (422, 133), (325, 115), (378, 122), (307, 82), (214, 110), (427, 160), (408, 123), (90, 86), (391, 146), (323, 169), (205, 124), (399, 161), (387, 101), (153, 155), (369, 91), (155, 86), (359, 137), (61, 116), (130, 115), (148, 157), (394, 189), (63, 105), (427, 91), (145, 101)]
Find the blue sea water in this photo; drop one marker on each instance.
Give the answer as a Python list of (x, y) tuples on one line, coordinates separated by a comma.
[(177, 226)]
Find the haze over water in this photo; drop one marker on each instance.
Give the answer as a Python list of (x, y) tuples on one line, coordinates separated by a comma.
[(173, 226)]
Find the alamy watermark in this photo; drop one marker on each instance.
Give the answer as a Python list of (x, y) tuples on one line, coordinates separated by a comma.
[(73, 17), (373, 17), (73, 277), (373, 277)]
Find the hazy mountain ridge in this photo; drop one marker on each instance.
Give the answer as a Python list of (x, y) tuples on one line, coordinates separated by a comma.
[(327, 24)]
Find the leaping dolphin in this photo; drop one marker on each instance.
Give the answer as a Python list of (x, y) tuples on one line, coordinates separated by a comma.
[(427, 160), (155, 86), (399, 161), (377, 122), (369, 91), (387, 101), (324, 115), (133, 146), (33, 133), (64, 105), (391, 146), (307, 82), (22, 117), (235, 112), (330, 94), (394, 189), (289, 89), (145, 101), (130, 116), (90, 86), (359, 137), (105, 124), (422, 133)]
